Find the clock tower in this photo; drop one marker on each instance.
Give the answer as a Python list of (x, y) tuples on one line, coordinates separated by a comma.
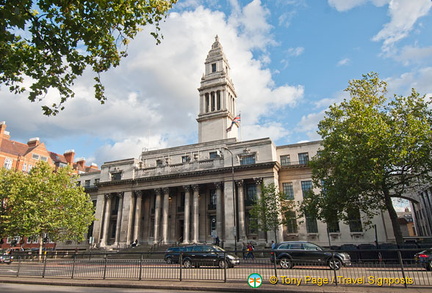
[(218, 98)]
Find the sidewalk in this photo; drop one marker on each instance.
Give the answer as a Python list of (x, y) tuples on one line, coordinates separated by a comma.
[(231, 286)]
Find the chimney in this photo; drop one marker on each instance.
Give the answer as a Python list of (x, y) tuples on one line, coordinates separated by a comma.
[(69, 156), (80, 163), (33, 142), (3, 132)]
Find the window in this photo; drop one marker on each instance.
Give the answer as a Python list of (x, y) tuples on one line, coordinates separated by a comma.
[(8, 163), (252, 223), (185, 159), (35, 156), (97, 181), (306, 188), (354, 221), (333, 227), (291, 221), (251, 194), (87, 183), (218, 100), (247, 160), (45, 159), (288, 190), (213, 67), (116, 176), (213, 101), (24, 168), (214, 155), (212, 224), (213, 197), (285, 160), (303, 158), (207, 103), (311, 224), (159, 163)]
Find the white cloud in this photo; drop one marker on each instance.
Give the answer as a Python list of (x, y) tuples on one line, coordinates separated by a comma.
[(403, 16), (411, 54), (152, 96), (343, 62), (344, 5), (295, 51)]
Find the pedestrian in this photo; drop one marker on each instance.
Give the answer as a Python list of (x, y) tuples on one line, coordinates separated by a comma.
[(217, 241), (273, 245), (250, 250)]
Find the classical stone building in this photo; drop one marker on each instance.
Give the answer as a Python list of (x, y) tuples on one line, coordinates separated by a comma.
[(194, 193)]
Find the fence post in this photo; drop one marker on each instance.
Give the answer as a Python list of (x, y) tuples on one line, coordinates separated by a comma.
[(105, 265), (73, 265), (45, 263), (181, 265), (225, 267), (274, 262), (140, 270), (334, 270), (402, 267), (19, 266)]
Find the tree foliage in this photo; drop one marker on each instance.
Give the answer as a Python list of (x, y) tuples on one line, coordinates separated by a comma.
[(44, 202), (51, 42), (373, 149), (269, 210)]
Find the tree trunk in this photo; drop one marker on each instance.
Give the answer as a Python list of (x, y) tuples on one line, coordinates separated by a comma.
[(394, 218), (40, 247)]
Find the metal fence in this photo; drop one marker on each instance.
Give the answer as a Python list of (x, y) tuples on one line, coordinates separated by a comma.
[(393, 267)]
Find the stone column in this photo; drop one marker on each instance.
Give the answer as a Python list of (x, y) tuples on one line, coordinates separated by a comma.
[(195, 219), (241, 211), (126, 219), (259, 182), (106, 222), (99, 215), (219, 215), (186, 230), (229, 214), (137, 221), (119, 219), (157, 215), (165, 210)]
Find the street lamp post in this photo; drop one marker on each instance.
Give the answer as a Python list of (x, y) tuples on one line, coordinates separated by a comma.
[(234, 198)]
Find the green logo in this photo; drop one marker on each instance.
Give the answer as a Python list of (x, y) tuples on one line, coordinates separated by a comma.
[(254, 280)]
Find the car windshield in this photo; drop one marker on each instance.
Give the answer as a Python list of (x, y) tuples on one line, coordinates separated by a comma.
[(217, 248)]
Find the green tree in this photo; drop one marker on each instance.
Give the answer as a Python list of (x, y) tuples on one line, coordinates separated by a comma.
[(50, 43), (267, 211), (373, 149), (44, 202)]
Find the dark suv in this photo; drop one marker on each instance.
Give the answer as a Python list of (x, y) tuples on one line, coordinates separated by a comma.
[(290, 253), (201, 255), (172, 254)]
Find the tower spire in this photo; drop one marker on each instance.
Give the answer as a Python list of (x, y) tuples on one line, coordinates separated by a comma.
[(218, 97)]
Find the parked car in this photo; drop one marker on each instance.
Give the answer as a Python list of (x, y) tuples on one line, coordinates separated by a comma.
[(172, 254), (202, 255), (424, 258), (291, 253), (6, 258)]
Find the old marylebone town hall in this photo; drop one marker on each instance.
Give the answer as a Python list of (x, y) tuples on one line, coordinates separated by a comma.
[(195, 193)]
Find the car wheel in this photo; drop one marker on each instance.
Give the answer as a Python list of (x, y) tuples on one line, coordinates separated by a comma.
[(429, 266), (335, 264), (169, 260), (285, 263), (187, 264), (222, 264)]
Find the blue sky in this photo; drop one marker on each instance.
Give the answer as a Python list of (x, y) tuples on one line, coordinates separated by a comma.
[(290, 60)]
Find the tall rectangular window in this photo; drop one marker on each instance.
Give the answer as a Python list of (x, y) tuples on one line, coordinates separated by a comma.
[(333, 227), (291, 221), (288, 190), (311, 224), (251, 194), (213, 67), (306, 187), (285, 160), (303, 158), (354, 221), (8, 163)]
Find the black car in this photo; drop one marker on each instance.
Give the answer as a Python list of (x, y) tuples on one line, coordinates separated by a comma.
[(201, 255), (290, 253), (425, 258), (172, 254)]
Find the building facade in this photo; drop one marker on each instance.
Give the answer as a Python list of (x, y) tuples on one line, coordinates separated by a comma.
[(195, 193)]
